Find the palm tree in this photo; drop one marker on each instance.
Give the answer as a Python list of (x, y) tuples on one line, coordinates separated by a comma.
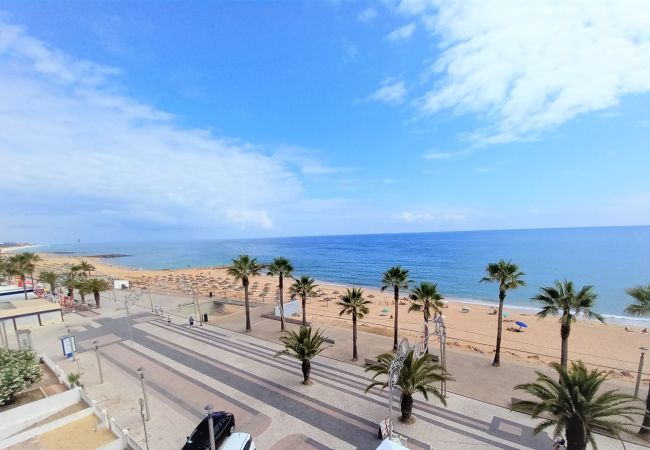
[(424, 298), (22, 264), (242, 269), (303, 287), (71, 283), (303, 346), (32, 259), (85, 267), (508, 276), (353, 303), (641, 307), (397, 278), (573, 405), (94, 286), (418, 374), (281, 268), (50, 278), (563, 300)]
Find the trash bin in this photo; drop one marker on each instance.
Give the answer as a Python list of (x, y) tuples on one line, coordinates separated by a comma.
[(205, 317)]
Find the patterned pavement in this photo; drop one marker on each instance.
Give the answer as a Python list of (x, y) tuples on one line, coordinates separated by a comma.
[(188, 367)]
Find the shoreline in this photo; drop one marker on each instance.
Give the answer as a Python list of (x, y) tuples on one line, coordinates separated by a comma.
[(474, 331), (611, 318)]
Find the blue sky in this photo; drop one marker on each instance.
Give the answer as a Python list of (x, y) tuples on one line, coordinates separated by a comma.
[(181, 120)]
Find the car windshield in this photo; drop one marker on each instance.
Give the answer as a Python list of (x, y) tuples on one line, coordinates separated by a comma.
[(200, 434)]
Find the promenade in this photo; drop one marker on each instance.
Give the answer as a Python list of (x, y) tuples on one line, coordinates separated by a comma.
[(187, 368)]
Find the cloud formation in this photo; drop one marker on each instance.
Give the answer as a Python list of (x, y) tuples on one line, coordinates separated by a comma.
[(367, 15), (525, 68), (402, 33), (391, 91), (76, 146)]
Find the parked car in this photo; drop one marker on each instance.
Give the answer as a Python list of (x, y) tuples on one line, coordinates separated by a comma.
[(224, 426), (238, 441)]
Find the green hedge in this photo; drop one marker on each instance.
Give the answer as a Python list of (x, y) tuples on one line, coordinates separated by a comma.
[(18, 369)]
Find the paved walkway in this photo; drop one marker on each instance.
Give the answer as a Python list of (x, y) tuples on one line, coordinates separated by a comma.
[(185, 368)]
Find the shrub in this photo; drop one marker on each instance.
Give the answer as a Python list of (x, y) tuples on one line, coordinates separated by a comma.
[(18, 369)]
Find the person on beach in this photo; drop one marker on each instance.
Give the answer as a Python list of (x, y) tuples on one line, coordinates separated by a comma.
[(210, 294), (169, 319), (191, 321)]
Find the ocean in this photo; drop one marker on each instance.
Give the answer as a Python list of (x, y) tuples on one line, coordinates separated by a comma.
[(609, 258)]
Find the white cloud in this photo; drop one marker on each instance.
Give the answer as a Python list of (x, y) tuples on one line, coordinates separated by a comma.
[(391, 91), (74, 145), (255, 218), (439, 155), (367, 15), (402, 33), (419, 217), (525, 68)]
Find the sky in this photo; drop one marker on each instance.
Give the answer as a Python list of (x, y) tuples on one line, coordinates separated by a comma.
[(135, 121)]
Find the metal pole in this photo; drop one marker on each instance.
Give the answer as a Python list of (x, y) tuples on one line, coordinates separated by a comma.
[(99, 363), (213, 445), (144, 423), (638, 375), (4, 334), (128, 317), (140, 370)]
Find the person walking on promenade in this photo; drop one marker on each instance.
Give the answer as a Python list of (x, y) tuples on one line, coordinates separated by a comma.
[(191, 321), (169, 319)]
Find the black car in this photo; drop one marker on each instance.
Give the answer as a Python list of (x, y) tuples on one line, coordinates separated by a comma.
[(224, 426)]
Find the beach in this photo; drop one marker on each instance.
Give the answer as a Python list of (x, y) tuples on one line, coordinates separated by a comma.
[(607, 346)]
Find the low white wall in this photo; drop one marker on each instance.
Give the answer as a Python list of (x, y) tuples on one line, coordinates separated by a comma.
[(17, 419), (290, 308), (30, 321), (22, 437)]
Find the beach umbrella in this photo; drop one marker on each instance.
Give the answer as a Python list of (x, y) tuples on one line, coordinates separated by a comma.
[(521, 324)]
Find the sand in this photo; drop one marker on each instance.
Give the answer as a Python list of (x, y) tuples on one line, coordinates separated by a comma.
[(606, 346)]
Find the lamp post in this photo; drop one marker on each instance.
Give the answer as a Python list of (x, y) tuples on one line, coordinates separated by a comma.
[(638, 375), (99, 362), (140, 370), (208, 409), (144, 423)]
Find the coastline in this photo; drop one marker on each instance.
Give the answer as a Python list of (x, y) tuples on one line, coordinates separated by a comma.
[(474, 331), (18, 247)]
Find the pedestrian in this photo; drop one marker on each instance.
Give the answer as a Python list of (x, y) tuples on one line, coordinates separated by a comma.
[(169, 319), (559, 443), (210, 294), (191, 321)]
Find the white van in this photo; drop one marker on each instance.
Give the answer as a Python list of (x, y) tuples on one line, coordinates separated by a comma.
[(238, 441)]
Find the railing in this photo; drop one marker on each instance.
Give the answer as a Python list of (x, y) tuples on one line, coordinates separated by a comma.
[(102, 414)]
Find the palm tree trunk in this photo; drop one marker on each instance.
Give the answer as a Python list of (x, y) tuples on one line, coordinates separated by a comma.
[(83, 297), (247, 307), (575, 436), (497, 353), (645, 427), (281, 284), (406, 405), (53, 289), (23, 279), (354, 337), (97, 299), (564, 333), (304, 310), (396, 320), (306, 370)]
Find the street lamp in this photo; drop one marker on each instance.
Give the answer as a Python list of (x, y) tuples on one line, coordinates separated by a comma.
[(99, 362), (144, 423), (638, 375), (208, 409), (140, 370)]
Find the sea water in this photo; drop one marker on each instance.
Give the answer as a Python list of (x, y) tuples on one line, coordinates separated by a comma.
[(609, 258)]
